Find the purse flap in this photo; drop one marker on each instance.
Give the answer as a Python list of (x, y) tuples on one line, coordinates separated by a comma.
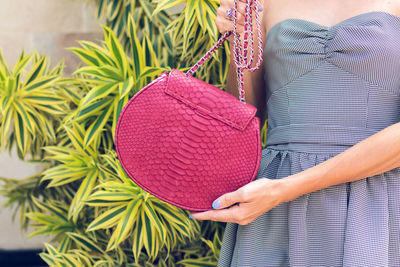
[(209, 99)]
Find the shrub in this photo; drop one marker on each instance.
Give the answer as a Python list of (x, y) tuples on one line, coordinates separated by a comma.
[(83, 198)]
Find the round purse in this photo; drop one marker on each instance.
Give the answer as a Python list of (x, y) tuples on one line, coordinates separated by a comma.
[(188, 142)]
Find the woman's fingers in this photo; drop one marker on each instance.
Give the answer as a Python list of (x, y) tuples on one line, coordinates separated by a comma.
[(231, 214), (223, 23), (221, 11), (229, 199), (226, 25), (228, 4)]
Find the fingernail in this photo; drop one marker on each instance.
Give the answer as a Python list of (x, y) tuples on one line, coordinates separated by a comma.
[(191, 217), (216, 204), (261, 9)]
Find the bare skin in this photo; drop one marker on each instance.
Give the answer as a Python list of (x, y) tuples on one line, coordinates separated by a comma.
[(374, 155)]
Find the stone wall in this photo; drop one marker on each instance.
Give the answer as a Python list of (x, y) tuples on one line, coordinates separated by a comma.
[(48, 26)]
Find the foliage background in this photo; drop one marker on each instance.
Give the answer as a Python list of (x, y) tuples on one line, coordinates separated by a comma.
[(83, 199)]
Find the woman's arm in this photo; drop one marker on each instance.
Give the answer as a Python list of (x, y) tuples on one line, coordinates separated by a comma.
[(374, 155)]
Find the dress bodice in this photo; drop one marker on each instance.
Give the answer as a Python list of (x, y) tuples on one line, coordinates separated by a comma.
[(328, 88), (332, 84)]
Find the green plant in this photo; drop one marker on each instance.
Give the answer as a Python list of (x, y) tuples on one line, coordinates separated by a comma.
[(29, 103), (179, 32), (82, 198)]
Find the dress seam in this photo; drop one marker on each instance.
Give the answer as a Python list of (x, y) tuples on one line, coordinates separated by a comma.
[(367, 108), (389, 91), (300, 152), (348, 187), (293, 80)]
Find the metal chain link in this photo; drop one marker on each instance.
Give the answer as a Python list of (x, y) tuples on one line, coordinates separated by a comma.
[(240, 53)]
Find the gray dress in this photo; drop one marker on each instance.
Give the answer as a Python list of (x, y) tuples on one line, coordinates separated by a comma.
[(328, 88)]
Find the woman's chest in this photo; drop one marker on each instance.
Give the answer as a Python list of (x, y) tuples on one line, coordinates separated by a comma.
[(325, 13), (365, 46)]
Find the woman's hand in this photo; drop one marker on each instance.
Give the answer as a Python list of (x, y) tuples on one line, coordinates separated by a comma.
[(224, 24), (251, 201)]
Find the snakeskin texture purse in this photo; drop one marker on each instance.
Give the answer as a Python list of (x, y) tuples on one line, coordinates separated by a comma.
[(188, 142)]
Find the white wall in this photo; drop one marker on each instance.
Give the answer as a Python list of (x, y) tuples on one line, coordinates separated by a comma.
[(49, 26)]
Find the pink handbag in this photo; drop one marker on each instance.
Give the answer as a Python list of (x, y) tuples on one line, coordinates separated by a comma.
[(188, 142)]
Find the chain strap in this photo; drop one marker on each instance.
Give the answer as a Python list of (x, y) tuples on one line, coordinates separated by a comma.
[(240, 53)]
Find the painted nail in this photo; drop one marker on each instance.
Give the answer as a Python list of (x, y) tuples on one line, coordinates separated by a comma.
[(216, 204), (261, 9), (191, 217)]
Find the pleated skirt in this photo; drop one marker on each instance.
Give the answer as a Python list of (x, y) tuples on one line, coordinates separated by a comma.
[(350, 224)]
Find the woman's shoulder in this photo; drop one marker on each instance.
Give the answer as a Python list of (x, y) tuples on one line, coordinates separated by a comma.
[(397, 7)]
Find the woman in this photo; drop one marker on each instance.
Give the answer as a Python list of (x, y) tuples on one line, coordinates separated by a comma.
[(328, 188)]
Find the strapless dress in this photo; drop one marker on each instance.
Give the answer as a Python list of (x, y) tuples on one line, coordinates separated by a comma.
[(328, 88)]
